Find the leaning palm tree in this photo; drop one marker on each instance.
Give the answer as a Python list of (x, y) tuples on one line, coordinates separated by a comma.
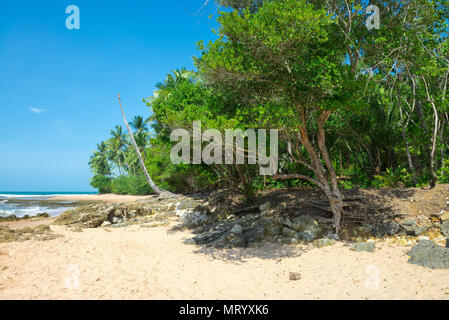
[(153, 186)]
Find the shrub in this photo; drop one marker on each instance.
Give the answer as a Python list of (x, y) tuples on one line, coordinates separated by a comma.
[(101, 183), (393, 178), (443, 173), (133, 184)]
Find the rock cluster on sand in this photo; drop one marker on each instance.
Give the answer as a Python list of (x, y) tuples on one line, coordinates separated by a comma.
[(104, 215), (216, 223), (429, 254), (42, 232), (43, 215)]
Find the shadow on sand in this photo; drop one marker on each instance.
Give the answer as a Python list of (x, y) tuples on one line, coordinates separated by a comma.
[(266, 250)]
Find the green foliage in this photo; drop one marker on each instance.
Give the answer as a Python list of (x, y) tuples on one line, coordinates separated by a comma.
[(394, 178), (102, 183), (133, 184), (180, 178), (443, 173), (280, 64)]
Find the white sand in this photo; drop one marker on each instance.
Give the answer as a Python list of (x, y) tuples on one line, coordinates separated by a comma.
[(141, 263), (111, 198)]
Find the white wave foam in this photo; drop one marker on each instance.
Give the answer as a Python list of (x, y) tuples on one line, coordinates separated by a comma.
[(32, 211), (38, 195)]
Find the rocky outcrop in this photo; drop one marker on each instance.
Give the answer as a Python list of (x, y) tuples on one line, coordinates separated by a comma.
[(389, 228), (43, 215), (105, 215), (218, 223), (232, 233), (40, 233), (429, 254), (414, 227)]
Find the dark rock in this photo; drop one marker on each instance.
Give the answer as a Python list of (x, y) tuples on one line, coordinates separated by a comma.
[(220, 195), (387, 229), (186, 204), (289, 233), (307, 235), (320, 243), (92, 220), (363, 246), (307, 227), (208, 237), (254, 235), (237, 229), (8, 218), (190, 241), (271, 227), (429, 254), (423, 228), (43, 215), (409, 226), (294, 276), (230, 240), (333, 236), (194, 219), (412, 228), (445, 228)]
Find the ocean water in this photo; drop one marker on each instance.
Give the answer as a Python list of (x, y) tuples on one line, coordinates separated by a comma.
[(5, 195), (32, 203)]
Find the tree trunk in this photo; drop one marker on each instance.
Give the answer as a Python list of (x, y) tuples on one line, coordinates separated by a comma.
[(331, 189), (404, 137), (142, 163), (434, 137)]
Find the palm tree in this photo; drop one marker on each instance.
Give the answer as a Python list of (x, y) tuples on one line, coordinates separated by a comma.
[(98, 162), (141, 133), (164, 88), (117, 144)]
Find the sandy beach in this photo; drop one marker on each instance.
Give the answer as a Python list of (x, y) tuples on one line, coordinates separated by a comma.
[(110, 198), (153, 263)]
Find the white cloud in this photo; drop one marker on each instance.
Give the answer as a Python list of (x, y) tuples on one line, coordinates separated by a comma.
[(37, 110)]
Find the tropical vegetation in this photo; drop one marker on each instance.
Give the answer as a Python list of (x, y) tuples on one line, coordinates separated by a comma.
[(355, 108)]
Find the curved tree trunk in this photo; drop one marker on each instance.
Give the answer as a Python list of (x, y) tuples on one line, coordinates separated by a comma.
[(434, 136), (153, 186), (326, 177)]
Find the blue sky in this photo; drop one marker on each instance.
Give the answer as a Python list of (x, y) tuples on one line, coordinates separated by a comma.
[(58, 87)]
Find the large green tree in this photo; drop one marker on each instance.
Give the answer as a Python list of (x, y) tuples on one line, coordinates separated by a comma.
[(285, 57)]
